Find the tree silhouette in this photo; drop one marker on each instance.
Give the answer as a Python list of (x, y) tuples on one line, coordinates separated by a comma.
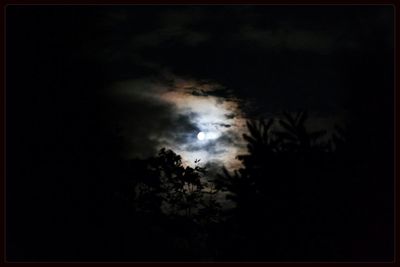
[(277, 190), (161, 184), (171, 207), (293, 199), (295, 136)]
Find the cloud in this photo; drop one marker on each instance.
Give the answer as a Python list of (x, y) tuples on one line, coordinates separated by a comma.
[(174, 26), (146, 120), (288, 38), (163, 112), (224, 125)]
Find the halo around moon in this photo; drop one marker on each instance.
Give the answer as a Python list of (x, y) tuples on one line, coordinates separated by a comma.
[(201, 136)]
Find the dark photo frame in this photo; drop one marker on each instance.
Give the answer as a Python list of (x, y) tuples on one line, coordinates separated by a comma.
[(200, 133)]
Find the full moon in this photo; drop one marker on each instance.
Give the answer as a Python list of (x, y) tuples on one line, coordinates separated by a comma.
[(201, 136)]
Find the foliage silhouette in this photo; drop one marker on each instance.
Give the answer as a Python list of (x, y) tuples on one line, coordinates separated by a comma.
[(166, 186), (293, 199), (278, 188)]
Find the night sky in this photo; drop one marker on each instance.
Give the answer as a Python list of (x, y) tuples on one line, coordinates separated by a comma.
[(88, 86)]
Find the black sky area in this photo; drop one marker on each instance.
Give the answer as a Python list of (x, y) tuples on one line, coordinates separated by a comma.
[(63, 142)]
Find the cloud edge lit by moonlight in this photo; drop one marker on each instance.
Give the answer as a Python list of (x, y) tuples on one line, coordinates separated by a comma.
[(175, 111)]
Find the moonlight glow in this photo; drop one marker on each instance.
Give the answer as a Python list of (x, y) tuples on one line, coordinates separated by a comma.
[(219, 122), (207, 135), (200, 136), (211, 125)]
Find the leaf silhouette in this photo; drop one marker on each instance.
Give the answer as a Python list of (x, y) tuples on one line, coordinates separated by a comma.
[(302, 117), (317, 134)]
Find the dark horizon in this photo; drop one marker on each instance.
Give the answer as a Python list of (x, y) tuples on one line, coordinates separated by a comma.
[(121, 119)]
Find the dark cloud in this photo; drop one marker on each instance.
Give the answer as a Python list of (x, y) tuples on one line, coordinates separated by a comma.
[(224, 125), (289, 39), (214, 147), (272, 58), (230, 116), (199, 93), (147, 122)]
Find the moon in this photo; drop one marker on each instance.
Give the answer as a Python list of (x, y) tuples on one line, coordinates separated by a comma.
[(201, 136)]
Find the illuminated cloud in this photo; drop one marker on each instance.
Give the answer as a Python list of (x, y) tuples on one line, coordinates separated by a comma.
[(173, 112)]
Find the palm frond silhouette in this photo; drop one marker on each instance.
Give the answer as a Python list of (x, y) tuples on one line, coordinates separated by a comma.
[(294, 135)]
